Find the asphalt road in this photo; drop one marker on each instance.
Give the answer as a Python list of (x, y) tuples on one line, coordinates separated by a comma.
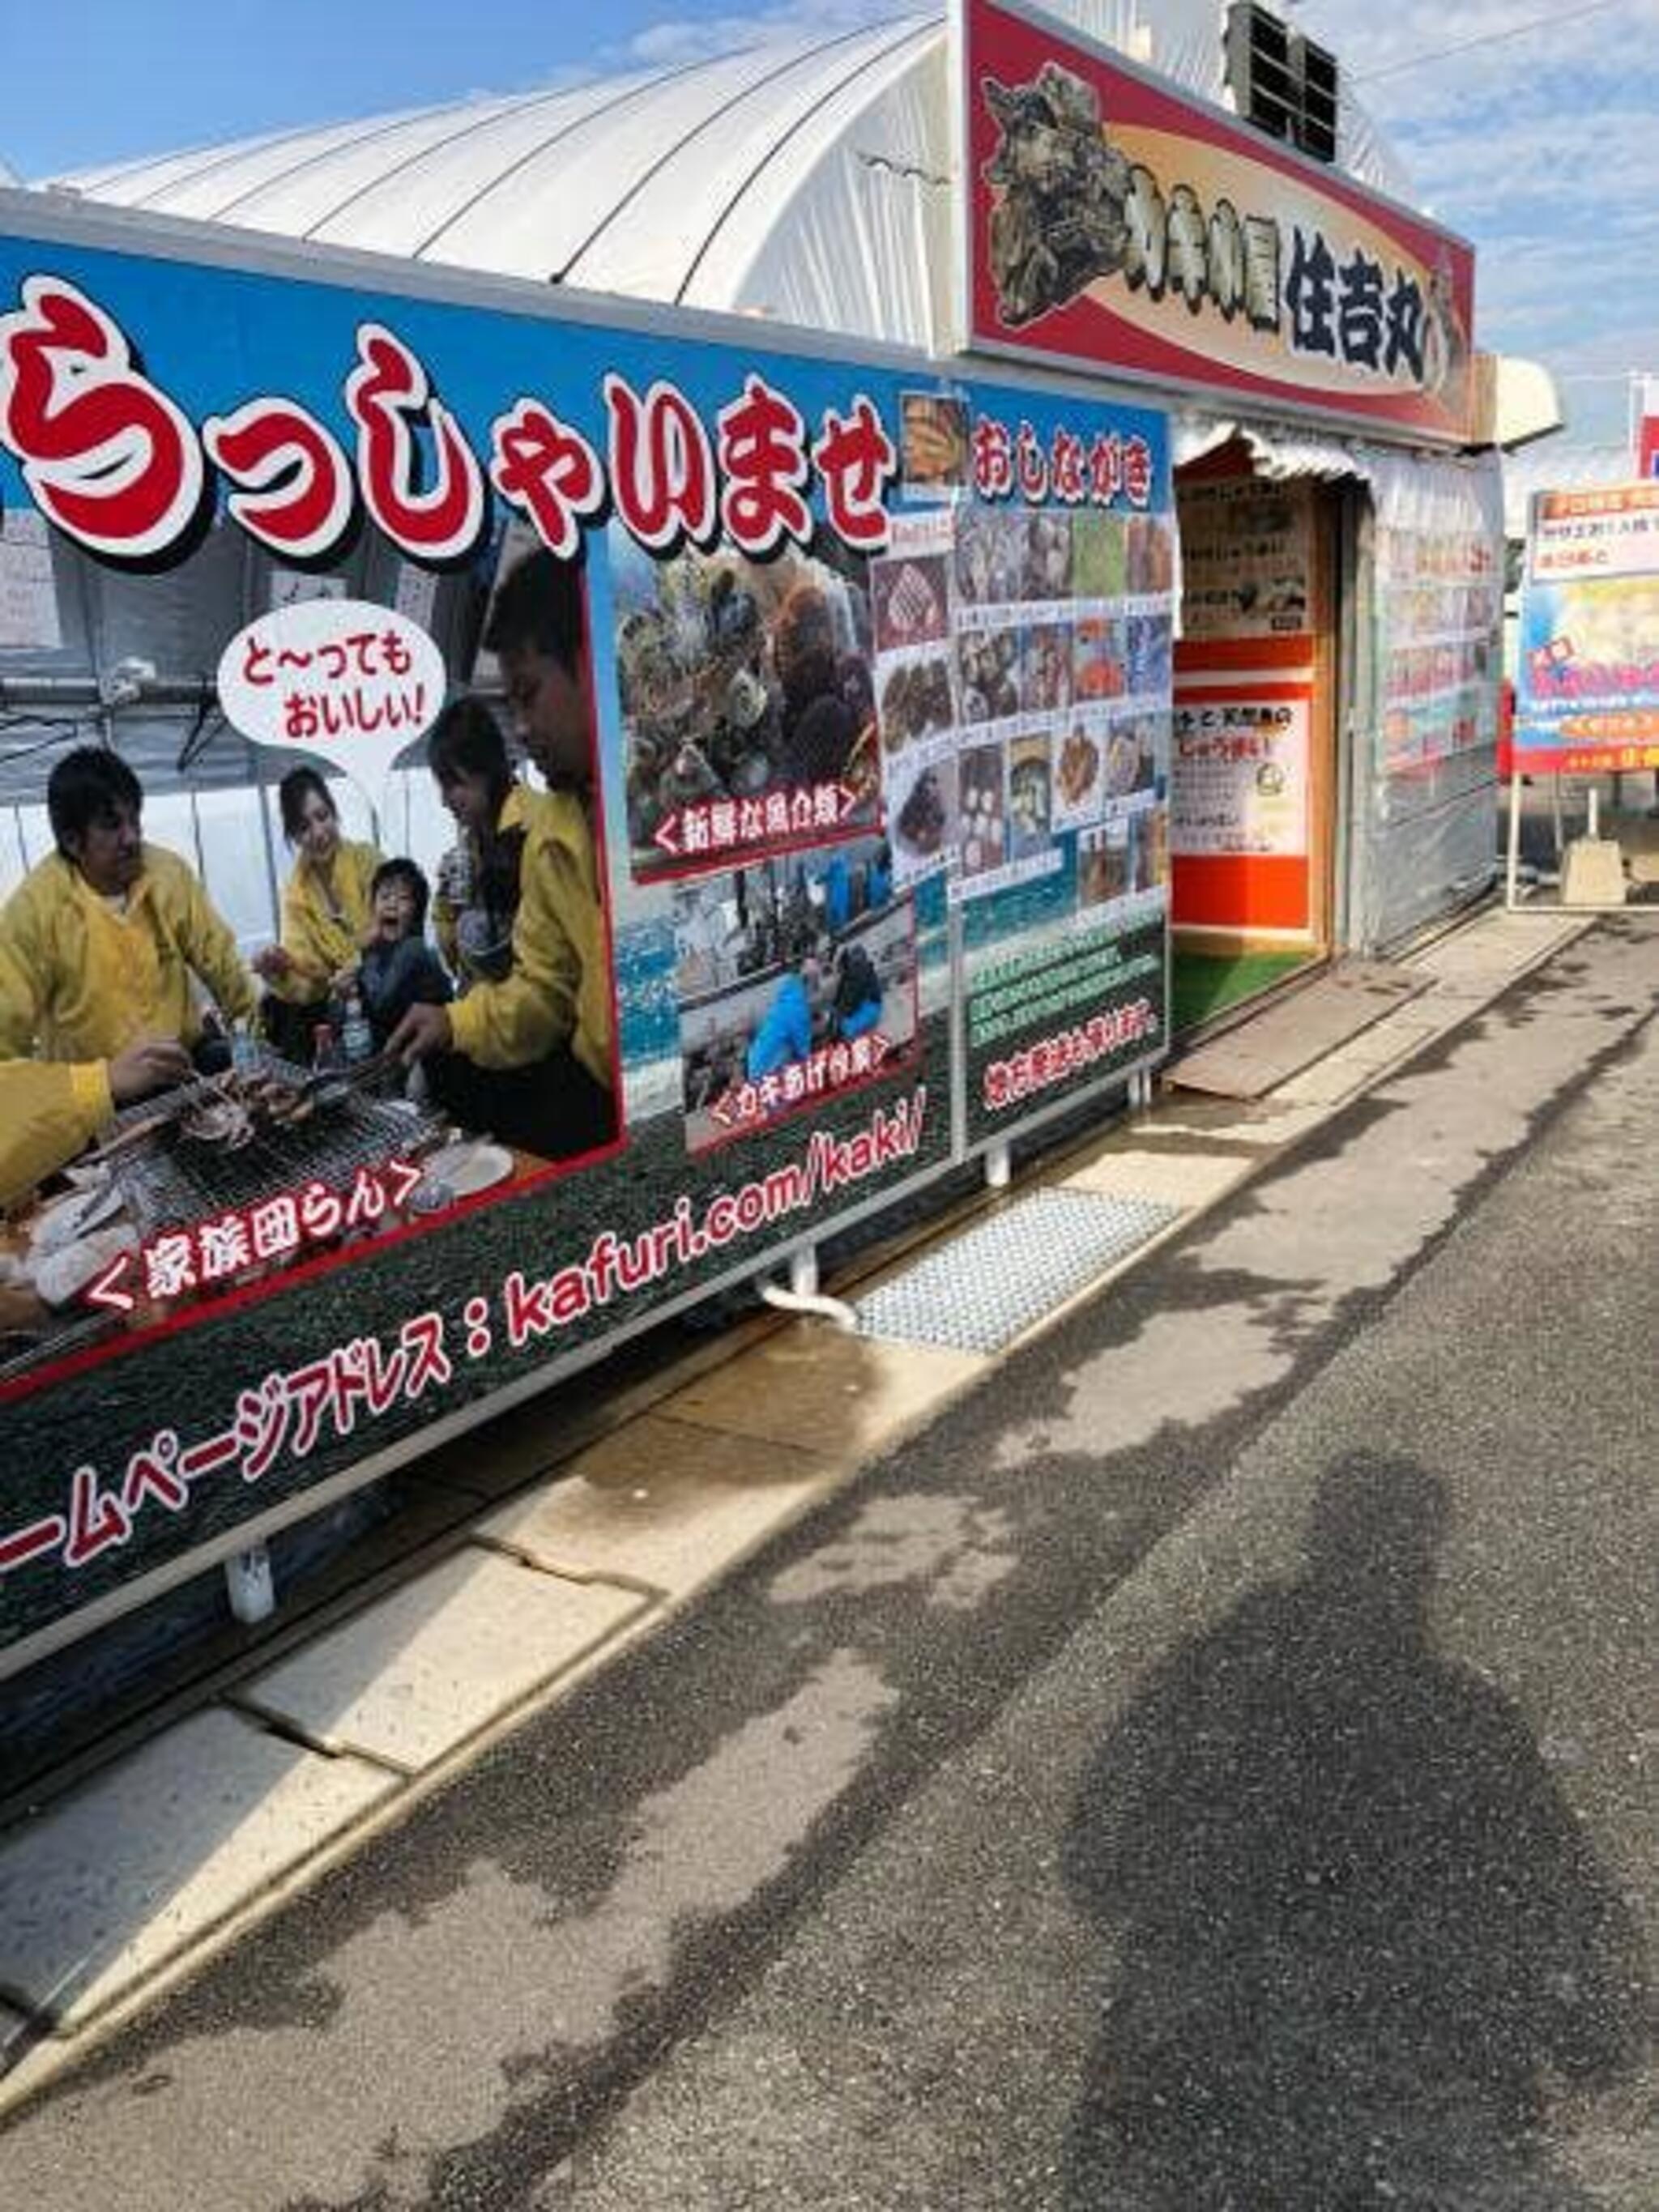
[(1212, 1768)]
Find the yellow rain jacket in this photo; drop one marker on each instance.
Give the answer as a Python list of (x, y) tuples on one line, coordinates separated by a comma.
[(48, 1111), (559, 991), (79, 983), (320, 932)]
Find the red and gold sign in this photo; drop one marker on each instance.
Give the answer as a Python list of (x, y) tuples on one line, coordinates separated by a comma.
[(1115, 224)]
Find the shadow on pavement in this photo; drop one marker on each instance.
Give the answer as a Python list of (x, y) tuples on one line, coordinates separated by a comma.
[(1355, 1940)]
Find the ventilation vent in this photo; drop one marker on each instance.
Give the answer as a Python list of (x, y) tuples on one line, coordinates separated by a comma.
[(1281, 81)]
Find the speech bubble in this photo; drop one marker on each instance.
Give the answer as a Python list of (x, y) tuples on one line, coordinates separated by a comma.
[(348, 681)]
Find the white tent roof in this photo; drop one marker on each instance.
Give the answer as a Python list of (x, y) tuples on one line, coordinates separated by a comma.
[(665, 184), (807, 179)]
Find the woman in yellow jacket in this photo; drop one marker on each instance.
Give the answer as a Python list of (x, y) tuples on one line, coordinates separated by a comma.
[(527, 1052), (103, 947), (477, 895), (327, 917)]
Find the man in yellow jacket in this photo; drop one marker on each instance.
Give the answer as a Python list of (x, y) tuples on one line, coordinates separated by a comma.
[(543, 1033), (99, 946)]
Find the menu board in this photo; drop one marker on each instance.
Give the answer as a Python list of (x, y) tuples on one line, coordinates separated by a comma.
[(1246, 558), (1023, 673), (1022, 628), (1439, 595)]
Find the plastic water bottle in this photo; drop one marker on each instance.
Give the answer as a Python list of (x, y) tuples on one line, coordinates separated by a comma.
[(355, 1034), (455, 876), (246, 1053)]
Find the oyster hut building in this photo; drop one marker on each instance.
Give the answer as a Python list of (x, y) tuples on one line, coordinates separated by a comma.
[(1182, 204), (1176, 595)]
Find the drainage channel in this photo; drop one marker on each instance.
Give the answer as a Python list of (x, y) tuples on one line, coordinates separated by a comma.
[(992, 1282)]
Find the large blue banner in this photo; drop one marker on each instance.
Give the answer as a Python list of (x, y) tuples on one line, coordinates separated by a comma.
[(1587, 668), (518, 818)]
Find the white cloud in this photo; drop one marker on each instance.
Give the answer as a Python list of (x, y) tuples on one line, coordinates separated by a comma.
[(1542, 149), (699, 38), (1514, 42)]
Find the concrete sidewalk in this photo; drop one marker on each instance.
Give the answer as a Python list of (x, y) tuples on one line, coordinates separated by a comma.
[(566, 1548)]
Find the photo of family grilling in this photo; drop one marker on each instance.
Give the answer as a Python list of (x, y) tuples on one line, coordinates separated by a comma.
[(157, 1071)]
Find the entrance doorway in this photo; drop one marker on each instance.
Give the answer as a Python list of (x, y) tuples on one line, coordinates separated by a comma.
[(1253, 798)]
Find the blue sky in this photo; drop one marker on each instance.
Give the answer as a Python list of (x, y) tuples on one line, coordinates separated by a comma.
[(1542, 148)]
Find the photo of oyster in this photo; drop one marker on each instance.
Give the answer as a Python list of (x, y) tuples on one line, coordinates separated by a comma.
[(1058, 220), (991, 552), (915, 701), (986, 666), (983, 808), (1029, 798), (1078, 769), (921, 821), (223, 1122), (1045, 667), (1123, 762)]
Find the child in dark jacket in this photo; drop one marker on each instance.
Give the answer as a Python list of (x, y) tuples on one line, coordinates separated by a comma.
[(856, 1006), (399, 969)]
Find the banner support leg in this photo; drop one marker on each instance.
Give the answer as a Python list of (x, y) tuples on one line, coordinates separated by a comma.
[(248, 1585), (1513, 867)]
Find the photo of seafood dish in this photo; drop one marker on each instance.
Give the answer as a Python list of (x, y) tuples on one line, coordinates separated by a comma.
[(1122, 761), (1046, 668), (1103, 863), (737, 679), (1098, 671), (1137, 753), (1151, 556), (1099, 556), (915, 701), (987, 668), (1047, 571), (1149, 639), (1077, 775), (933, 441), (990, 556), (1029, 798), (921, 816), (908, 601), (982, 835)]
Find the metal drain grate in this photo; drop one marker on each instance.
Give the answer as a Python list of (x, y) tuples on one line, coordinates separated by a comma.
[(979, 1291)]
